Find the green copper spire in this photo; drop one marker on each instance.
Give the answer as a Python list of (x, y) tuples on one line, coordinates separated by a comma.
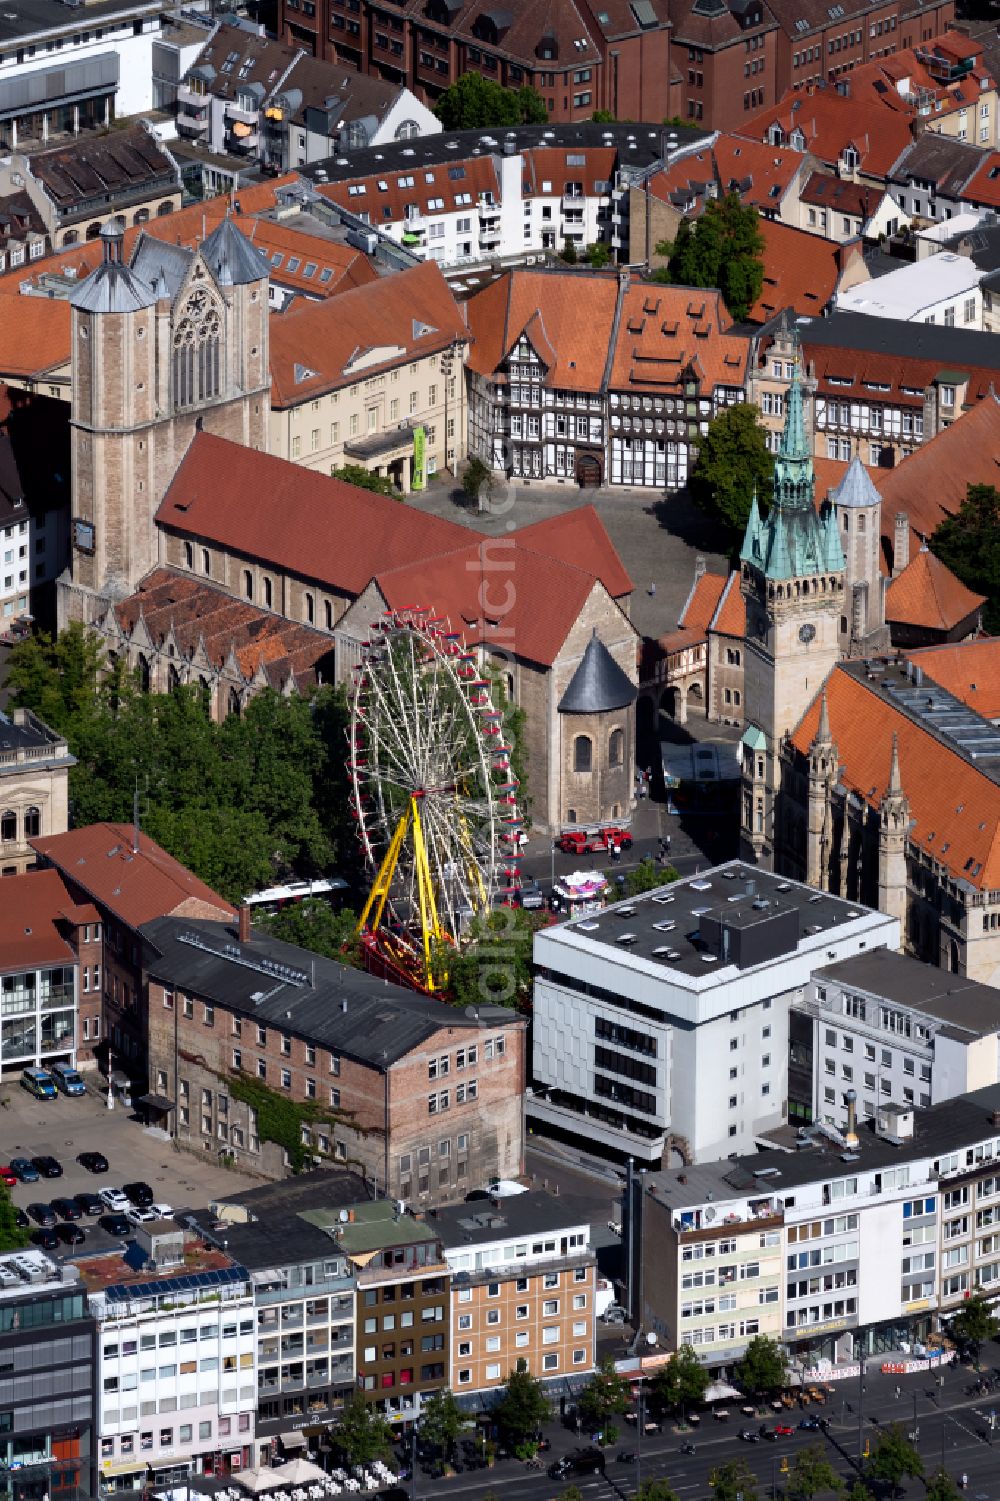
[(794, 481)]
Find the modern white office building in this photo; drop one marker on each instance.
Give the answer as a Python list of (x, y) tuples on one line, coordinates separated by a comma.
[(661, 1023)]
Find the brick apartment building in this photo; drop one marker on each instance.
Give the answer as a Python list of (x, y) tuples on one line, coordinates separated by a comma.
[(121, 878), (421, 1097), (613, 56)]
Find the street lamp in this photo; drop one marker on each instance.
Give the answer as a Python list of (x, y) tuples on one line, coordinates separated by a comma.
[(413, 1459)]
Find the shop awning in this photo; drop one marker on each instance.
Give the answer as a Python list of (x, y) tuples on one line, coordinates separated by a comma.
[(295, 1439)]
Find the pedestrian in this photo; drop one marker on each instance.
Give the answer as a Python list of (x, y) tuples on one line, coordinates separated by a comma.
[(652, 589), (668, 844), (899, 1392), (616, 854)]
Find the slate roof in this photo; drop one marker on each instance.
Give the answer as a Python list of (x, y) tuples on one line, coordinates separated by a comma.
[(598, 684), (347, 1010), (947, 163), (229, 254), (928, 594), (856, 488), (113, 287), (133, 884), (120, 164)]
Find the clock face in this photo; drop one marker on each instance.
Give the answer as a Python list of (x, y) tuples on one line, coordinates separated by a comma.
[(807, 633)]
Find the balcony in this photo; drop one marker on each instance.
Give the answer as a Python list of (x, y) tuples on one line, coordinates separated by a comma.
[(192, 124), (243, 140), (488, 209), (573, 200), (192, 98), (236, 111)]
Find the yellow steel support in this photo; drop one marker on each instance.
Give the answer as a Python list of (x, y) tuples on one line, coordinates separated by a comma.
[(430, 923), (379, 893)]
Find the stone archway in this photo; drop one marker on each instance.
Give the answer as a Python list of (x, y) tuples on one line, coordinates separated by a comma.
[(673, 703)]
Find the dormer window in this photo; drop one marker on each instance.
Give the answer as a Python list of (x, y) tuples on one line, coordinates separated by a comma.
[(850, 159)]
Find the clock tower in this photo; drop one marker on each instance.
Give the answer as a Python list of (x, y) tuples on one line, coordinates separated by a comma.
[(792, 579)]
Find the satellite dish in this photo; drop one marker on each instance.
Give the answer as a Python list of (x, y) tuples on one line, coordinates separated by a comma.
[(651, 1338), (343, 1216), (710, 1214)]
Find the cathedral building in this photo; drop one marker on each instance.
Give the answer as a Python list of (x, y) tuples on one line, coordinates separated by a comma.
[(173, 341)]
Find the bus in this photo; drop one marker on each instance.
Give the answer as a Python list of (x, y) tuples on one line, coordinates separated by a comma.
[(329, 889)]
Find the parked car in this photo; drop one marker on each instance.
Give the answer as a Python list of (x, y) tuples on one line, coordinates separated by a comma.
[(137, 1216), (25, 1170), (21, 1220), (42, 1214), (49, 1167), (67, 1080), (809, 1423), (115, 1224), (70, 1235), (66, 1209), (8, 1176), (531, 896), (88, 1203), (114, 1199), (162, 1211), (45, 1239), (783, 1430), (140, 1194), (749, 1436), (614, 1314), (94, 1162), (767, 1434)]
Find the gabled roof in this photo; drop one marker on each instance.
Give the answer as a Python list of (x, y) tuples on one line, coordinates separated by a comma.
[(405, 317), (663, 332), (947, 163), (230, 256), (730, 619), (841, 195), (829, 123), (579, 537), (312, 525), (104, 167), (598, 684), (954, 806), (761, 173), (702, 603), (928, 594), (932, 483), (135, 884), (970, 670), (802, 271), (30, 914), (576, 311), (34, 336)]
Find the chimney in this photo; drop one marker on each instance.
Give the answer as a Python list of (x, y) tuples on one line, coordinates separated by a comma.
[(700, 567), (851, 1134), (244, 923), (900, 543)]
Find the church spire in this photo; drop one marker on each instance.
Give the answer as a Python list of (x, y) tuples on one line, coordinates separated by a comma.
[(794, 481), (823, 736), (895, 787)]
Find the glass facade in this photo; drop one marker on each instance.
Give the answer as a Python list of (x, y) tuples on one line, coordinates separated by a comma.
[(37, 1017)]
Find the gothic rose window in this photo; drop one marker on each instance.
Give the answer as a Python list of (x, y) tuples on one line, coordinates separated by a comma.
[(196, 358)]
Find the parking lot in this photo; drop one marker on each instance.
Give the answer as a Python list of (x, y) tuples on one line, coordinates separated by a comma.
[(64, 1127)]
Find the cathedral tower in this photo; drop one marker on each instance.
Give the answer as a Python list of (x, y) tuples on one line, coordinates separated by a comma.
[(171, 341), (792, 578), (858, 508)]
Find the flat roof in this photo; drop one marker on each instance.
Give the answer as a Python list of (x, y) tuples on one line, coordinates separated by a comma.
[(372, 1226), (637, 146), (304, 994), (941, 1129), (28, 1272), (661, 928), (41, 16), (911, 289), (954, 348), (279, 1234), (533, 1213), (964, 1005)]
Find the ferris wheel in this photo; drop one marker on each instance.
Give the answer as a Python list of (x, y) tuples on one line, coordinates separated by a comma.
[(433, 795)]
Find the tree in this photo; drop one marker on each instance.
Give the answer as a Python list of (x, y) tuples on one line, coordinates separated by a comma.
[(494, 967), (572, 1493), (969, 543), (440, 1421), (314, 925), (473, 101), (858, 1492), (568, 253), (733, 1481), (605, 1394), (656, 1490), (603, 117), (723, 248), (894, 1459), (681, 1383), (762, 1370), (362, 1433), (733, 461), (477, 480), (974, 1324), (599, 256), (12, 1235), (366, 479), (941, 1487), (811, 1473), (646, 876), (522, 1409)]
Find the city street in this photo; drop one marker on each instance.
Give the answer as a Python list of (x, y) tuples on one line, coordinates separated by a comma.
[(954, 1428)]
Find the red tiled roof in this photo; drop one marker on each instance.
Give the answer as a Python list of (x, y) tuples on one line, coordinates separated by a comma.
[(949, 798), (319, 346), (841, 195), (801, 271), (665, 331), (386, 197), (30, 907), (830, 122), (579, 537), (34, 336), (759, 172), (307, 523), (983, 187), (547, 171), (968, 669), (574, 315), (201, 615), (702, 603), (928, 594), (730, 619), (932, 483), (135, 886), (894, 81)]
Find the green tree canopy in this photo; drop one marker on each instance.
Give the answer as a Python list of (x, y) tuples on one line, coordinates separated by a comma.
[(473, 101), (811, 1473), (522, 1409), (599, 255), (314, 925), (605, 1394), (362, 1433), (969, 543), (645, 876), (894, 1459), (495, 967), (478, 480), (723, 248), (941, 1487), (974, 1324), (242, 803), (366, 479), (12, 1235), (733, 460), (656, 1490), (763, 1369), (440, 1421), (682, 1382), (733, 1481)]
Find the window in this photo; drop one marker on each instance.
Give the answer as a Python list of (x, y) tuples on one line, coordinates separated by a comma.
[(616, 748), (583, 751)]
